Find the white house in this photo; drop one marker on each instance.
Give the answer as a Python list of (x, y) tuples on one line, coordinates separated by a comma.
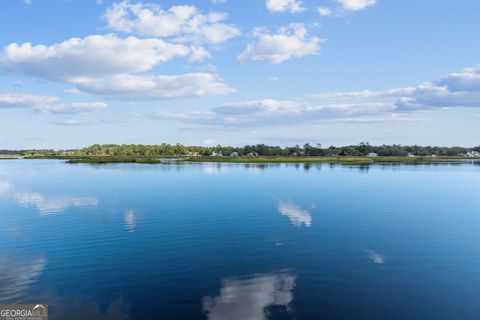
[(473, 154), (193, 154), (234, 154), (217, 154), (372, 155)]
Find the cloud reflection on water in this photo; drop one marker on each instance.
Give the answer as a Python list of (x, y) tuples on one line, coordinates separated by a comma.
[(4, 186), (295, 213), (47, 205), (251, 297), (376, 257), (130, 220), (16, 274)]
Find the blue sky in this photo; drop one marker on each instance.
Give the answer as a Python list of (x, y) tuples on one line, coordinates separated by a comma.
[(78, 72)]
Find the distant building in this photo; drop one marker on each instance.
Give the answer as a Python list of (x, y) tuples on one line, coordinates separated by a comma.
[(372, 155), (473, 154), (252, 154), (193, 154), (411, 155), (234, 154), (217, 154)]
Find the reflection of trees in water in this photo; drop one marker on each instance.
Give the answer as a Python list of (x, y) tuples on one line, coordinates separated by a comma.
[(251, 298)]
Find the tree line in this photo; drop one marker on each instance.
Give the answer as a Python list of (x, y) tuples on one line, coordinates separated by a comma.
[(167, 150)]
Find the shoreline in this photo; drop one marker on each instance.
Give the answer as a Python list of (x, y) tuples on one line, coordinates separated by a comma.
[(253, 160)]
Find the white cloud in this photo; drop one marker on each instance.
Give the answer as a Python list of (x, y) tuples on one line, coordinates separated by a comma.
[(183, 23), (295, 214), (27, 1), (47, 104), (199, 53), (73, 91), (467, 80), (23, 100), (111, 66), (77, 122), (396, 92), (324, 11), (355, 5), (150, 87), (273, 78), (284, 5), (453, 90), (287, 43), (70, 108), (93, 56), (250, 298), (270, 112)]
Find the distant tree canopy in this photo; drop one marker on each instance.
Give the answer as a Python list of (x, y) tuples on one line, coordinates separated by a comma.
[(167, 150)]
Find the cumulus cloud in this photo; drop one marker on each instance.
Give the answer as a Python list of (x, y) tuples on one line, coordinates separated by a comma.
[(152, 87), (83, 121), (111, 66), (288, 42), (390, 105), (284, 5), (23, 100), (250, 298), (395, 92), (70, 108), (452, 90), (89, 57), (182, 23), (47, 104), (356, 5), (324, 11), (270, 112)]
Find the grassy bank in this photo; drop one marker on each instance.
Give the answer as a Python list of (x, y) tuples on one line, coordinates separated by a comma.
[(10, 156), (105, 160)]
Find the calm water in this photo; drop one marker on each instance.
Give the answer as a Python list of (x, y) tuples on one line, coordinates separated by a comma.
[(211, 241)]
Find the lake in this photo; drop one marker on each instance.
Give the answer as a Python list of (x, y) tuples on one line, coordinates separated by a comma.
[(241, 241)]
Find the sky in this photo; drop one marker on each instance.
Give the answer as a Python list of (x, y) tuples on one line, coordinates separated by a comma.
[(281, 72)]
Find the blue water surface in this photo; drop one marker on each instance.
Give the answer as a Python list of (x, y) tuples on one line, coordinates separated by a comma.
[(241, 241)]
